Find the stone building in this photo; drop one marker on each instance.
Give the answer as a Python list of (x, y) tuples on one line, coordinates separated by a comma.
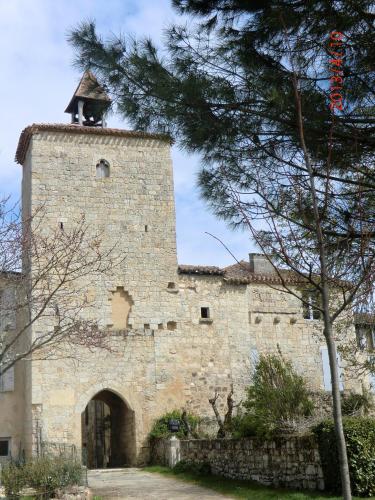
[(180, 331)]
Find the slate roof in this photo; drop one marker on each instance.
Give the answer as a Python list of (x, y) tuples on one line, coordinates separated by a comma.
[(28, 132)]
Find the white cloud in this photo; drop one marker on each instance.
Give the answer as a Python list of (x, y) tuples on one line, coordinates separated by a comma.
[(38, 80)]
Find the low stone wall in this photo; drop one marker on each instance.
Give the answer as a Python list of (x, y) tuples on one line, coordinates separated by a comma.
[(291, 462)]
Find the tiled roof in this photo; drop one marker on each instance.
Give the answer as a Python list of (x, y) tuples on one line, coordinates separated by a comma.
[(241, 274), (88, 88), (364, 318), (27, 133), (10, 275), (202, 270)]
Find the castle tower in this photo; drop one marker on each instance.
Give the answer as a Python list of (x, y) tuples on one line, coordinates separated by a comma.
[(121, 182)]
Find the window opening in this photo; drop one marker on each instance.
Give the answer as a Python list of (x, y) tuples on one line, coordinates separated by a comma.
[(4, 447), (311, 305), (205, 312), (102, 169)]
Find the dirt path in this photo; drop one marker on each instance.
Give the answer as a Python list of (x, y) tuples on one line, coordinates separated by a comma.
[(135, 483)]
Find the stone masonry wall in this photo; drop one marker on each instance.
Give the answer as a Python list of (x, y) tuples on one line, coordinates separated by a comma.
[(291, 462), (168, 357)]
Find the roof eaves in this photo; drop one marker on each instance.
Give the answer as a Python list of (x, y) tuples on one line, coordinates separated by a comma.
[(28, 132)]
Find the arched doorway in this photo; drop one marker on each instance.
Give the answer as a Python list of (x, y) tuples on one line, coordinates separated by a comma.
[(108, 432)]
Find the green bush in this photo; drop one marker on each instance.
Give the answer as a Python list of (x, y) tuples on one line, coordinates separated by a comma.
[(246, 425), (202, 468), (13, 479), (160, 427), (360, 442), (278, 396), (45, 475)]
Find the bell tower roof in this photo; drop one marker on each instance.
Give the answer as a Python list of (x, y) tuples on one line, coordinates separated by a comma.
[(89, 102)]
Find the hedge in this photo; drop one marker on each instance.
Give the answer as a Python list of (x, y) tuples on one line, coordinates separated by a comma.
[(360, 442)]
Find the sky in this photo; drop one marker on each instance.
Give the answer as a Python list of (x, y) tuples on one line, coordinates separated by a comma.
[(38, 80)]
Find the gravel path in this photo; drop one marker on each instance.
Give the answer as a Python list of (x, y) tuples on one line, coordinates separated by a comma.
[(135, 483)]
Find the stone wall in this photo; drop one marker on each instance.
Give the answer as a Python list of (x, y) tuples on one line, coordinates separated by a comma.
[(163, 355), (291, 462), (12, 382)]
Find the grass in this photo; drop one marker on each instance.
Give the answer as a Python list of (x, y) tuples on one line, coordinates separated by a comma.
[(35, 498), (241, 489)]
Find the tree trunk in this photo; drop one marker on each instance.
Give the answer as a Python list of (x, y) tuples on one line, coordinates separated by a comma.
[(185, 421), (337, 413), (221, 431), (324, 292), (228, 416)]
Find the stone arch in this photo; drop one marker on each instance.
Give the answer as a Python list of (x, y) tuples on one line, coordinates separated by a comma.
[(107, 430), (102, 386)]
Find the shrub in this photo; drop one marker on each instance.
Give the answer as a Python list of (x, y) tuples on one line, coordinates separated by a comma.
[(202, 468), (45, 475), (278, 395), (49, 474), (160, 428), (357, 404), (360, 442), (13, 479), (245, 425)]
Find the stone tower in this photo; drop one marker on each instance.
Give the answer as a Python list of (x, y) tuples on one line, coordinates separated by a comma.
[(122, 183)]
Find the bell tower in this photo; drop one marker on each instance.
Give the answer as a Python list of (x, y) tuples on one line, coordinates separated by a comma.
[(89, 103), (121, 182)]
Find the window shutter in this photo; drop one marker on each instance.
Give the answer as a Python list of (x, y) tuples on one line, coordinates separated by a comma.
[(371, 377), (327, 372), (254, 359), (7, 381), (7, 309)]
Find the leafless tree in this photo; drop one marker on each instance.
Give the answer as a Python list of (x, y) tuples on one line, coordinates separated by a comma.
[(43, 276), (224, 424)]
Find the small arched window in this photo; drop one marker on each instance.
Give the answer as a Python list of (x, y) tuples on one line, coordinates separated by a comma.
[(102, 169)]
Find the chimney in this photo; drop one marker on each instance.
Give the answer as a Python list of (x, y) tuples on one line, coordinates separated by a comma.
[(259, 264)]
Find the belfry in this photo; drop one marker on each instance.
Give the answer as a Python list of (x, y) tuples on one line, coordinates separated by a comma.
[(89, 103)]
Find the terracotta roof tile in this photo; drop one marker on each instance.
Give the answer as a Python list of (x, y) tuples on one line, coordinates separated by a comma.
[(364, 319), (201, 270), (27, 133), (241, 274), (88, 88)]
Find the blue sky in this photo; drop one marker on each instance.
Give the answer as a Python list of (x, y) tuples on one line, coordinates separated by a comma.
[(38, 79)]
